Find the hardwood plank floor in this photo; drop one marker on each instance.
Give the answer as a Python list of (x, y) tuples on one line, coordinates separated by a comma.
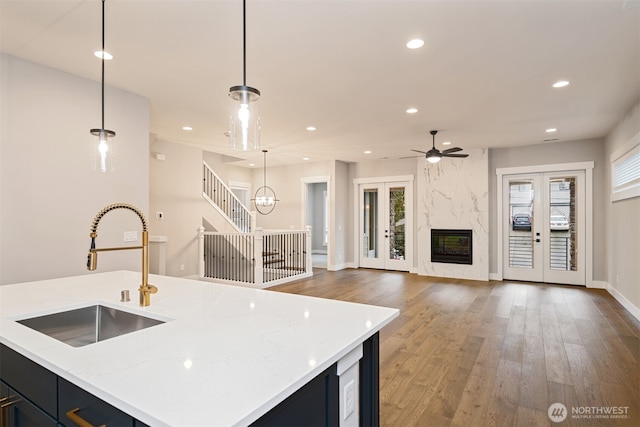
[(466, 353)]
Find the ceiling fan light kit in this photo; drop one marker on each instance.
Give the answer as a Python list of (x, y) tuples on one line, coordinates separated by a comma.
[(434, 155)]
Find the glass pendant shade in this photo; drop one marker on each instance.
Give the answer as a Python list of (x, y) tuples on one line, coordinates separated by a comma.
[(104, 151), (244, 126)]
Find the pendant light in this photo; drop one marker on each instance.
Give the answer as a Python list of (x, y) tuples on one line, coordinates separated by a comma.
[(244, 133), (104, 155), (265, 198)]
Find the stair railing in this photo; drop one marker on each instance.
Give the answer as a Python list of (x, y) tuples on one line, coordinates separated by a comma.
[(218, 194), (259, 259)]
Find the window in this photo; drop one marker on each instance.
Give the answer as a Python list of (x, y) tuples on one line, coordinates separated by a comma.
[(625, 171)]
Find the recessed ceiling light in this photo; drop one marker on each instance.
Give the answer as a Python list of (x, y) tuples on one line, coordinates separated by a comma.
[(305, 158), (311, 128), (551, 130), (560, 83), (446, 143), (412, 110), (252, 164), (415, 43), (367, 152), (187, 128), (100, 53)]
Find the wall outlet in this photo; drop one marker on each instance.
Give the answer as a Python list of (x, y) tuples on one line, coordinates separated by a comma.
[(130, 236), (181, 267), (349, 398), (159, 216)]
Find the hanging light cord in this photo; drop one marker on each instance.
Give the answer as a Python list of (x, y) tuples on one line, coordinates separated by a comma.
[(265, 171), (244, 42), (103, 53)]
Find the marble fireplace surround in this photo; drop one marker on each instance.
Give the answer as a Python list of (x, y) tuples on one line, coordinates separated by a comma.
[(454, 194)]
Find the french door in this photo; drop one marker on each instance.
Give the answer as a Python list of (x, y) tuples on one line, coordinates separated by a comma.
[(544, 227), (385, 222)]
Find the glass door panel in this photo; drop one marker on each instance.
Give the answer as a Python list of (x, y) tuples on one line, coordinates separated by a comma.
[(544, 227), (397, 222), (383, 226), (565, 238), (523, 260), (370, 223)]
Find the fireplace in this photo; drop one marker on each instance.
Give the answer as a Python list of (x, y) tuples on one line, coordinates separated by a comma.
[(452, 246)]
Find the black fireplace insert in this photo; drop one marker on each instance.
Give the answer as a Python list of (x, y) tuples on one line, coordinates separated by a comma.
[(452, 246)]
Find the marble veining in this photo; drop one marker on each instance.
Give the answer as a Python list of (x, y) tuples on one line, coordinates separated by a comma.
[(228, 356), (453, 194)]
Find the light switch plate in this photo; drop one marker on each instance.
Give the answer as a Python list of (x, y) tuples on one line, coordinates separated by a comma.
[(349, 398), (130, 236)]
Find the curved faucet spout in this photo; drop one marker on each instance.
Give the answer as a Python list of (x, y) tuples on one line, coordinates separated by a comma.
[(106, 209), (145, 289)]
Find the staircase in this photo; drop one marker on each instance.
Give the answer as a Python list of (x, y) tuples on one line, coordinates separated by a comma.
[(242, 254)]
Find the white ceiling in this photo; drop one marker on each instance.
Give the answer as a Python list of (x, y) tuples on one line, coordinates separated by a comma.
[(483, 77)]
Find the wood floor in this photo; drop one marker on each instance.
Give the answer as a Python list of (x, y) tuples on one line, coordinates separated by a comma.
[(466, 353)]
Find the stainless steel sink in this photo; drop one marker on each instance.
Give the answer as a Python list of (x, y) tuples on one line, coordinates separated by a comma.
[(88, 325)]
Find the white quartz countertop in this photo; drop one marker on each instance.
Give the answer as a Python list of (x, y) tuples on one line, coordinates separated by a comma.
[(225, 357)]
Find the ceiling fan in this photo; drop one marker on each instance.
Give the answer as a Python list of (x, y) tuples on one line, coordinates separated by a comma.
[(434, 155)]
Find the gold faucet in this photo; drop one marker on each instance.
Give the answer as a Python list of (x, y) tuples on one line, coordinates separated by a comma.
[(145, 289)]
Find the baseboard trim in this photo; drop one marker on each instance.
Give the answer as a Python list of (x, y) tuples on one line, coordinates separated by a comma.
[(635, 311), (495, 276), (338, 267), (597, 284)]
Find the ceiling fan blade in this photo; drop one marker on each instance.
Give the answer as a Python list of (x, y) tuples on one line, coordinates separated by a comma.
[(410, 157), (451, 150), (418, 151), (455, 155)]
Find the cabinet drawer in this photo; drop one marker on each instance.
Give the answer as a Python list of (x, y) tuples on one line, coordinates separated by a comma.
[(30, 379), (18, 411), (88, 407)]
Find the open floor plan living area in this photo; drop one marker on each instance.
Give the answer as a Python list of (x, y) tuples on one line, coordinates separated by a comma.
[(320, 213)]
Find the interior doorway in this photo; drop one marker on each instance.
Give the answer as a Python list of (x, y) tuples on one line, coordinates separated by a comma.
[(316, 213)]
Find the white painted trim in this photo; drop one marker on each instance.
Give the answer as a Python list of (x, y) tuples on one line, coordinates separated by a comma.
[(341, 266), (495, 276), (558, 167), (635, 311), (304, 182), (409, 215), (158, 239), (239, 184), (315, 179), (617, 155), (597, 284), (374, 180)]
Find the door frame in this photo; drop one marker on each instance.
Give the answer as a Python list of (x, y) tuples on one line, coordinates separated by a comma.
[(409, 245), (587, 167), (304, 183)]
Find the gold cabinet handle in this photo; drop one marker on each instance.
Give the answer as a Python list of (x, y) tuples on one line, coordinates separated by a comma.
[(78, 420), (5, 404)]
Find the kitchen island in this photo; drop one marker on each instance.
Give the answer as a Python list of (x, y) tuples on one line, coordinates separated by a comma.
[(224, 356)]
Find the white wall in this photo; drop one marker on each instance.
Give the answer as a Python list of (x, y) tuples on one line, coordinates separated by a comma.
[(176, 191), (623, 223), (453, 194), (49, 192)]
